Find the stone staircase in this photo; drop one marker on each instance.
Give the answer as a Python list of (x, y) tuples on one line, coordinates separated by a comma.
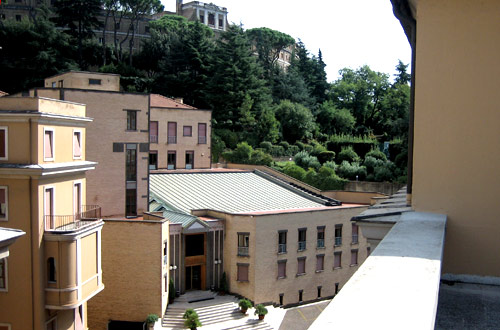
[(218, 311)]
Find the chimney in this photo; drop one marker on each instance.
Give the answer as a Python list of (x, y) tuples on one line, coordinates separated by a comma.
[(179, 99)]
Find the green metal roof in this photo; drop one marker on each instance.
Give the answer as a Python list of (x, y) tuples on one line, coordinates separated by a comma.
[(235, 192)]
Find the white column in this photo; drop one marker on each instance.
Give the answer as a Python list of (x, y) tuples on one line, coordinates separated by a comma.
[(217, 27), (99, 270), (206, 17), (79, 268)]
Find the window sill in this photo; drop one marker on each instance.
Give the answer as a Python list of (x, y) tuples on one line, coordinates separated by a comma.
[(282, 253), (48, 159), (320, 248), (301, 250), (281, 278), (77, 158), (302, 274), (245, 281), (320, 271), (353, 265), (337, 268), (130, 130), (4, 219), (337, 245), (354, 243), (243, 255)]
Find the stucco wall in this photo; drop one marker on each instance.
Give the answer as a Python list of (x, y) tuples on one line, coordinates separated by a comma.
[(456, 156)]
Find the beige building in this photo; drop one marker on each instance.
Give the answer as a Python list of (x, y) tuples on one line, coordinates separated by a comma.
[(55, 269), (276, 243), (179, 135)]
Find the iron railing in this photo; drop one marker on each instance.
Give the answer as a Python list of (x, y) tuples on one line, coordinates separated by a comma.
[(86, 216), (281, 248), (153, 138), (302, 245), (321, 243), (355, 239), (242, 250), (338, 240), (202, 140), (172, 139)]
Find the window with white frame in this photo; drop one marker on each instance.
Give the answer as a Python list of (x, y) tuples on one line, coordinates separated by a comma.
[(4, 143), (3, 274), (4, 203), (49, 208), (48, 146), (77, 144), (243, 244)]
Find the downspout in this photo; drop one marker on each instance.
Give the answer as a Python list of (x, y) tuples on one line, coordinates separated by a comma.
[(402, 11)]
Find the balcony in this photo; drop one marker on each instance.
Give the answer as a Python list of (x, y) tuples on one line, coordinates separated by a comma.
[(355, 239), (172, 140), (202, 140), (281, 248), (302, 245), (321, 243), (66, 223), (338, 241), (153, 138), (243, 251)]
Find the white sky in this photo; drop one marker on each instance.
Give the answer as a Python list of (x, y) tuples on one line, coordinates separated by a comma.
[(350, 33)]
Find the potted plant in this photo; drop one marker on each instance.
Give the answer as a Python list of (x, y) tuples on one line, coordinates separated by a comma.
[(223, 287), (245, 304), (261, 311), (191, 319), (151, 320), (171, 291)]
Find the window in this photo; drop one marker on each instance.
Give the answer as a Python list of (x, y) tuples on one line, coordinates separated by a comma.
[(3, 274), (153, 132), (51, 270), (202, 18), (171, 160), (242, 273), (337, 288), (54, 84), (319, 291), (94, 81), (4, 143), (281, 298), (221, 23), (320, 262), (189, 160), (77, 144), (131, 203), (172, 132), (131, 162), (300, 295), (117, 26), (355, 234), (165, 252), (187, 131), (4, 202), (282, 241), (131, 120), (354, 257), (146, 29), (101, 40), (301, 266), (211, 19), (153, 160), (49, 208), (202, 133), (337, 260), (302, 239), (60, 83), (282, 268), (48, 146), (18, 18), (321, 237), (338, 235), (243, 243), (77, 199), (368, 251)]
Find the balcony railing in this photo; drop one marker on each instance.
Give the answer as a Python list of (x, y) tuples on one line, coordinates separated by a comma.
[(338, 241), (202, 140), (281, 248), (88, 215), (172, 140), (302, 245), (153, 138), (242, 250), (355, 239), (321, 242)]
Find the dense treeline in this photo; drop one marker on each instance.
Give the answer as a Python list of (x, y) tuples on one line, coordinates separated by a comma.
[(236, 74)]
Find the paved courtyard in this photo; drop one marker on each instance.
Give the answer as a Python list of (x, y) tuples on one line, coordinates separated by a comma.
[(301, 317)]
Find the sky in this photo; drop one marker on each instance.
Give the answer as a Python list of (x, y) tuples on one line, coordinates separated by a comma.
[(350, 33)]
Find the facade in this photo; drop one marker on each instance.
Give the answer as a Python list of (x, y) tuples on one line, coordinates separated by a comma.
[(275, 243), (179, 135), (55, 269), (211, 15)]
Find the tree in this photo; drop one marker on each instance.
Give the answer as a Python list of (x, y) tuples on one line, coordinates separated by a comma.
[(291, 86), (334, 121), (80, 16), (402, 77), (297, 121)]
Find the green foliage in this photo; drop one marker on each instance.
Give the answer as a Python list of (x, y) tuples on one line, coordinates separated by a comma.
[(171, 289), (297, 121), (223, 285), (326, 156), (151, 318), (245, 304), (244, 154), (278, 151), (266, 145), (294, 171), (285, 145), (259, 157), (260, 310), (348, 154), (377, 154), (306, 161), (331, 165), (351, 171), (227, 136), (317, 149), (371, 163), (334, 121), (217, 147), (191, 319), (292, 150), (383, 173)]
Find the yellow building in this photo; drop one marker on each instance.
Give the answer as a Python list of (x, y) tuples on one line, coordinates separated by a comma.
[(55, 268)]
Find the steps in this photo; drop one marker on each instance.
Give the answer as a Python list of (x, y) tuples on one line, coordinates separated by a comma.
[(251, 324), (216, 312)]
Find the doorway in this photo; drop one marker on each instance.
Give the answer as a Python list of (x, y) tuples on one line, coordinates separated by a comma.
[(193, 278)]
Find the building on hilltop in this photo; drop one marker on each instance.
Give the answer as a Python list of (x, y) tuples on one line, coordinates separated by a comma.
[(275, 242), (55, 268)]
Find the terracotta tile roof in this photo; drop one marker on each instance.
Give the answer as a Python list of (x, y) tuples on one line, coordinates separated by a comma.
[(160, 101), (3, 94)]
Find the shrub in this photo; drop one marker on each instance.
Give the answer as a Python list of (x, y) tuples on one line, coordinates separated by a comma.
[(350, 171), (266, 146), (151, 318), (218, 147), (325, 172), (277, 151), (229, 137), (294, 171), (223, 283), (285, 145), (377, 154), (260, 310), (382, 173), (292, 150), (245, 304), (259, 157), (317, 149), (333, 183), (191, 319), (306, 161), (308, 148), (331, 165), (326, 156), (171, 289), (311, 178), (348, 154), (371, 162), (300, 145)]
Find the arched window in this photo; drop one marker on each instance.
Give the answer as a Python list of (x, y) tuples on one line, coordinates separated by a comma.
[(51, 270)]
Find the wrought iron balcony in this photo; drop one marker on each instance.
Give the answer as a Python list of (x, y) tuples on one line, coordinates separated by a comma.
[(202, 140), (302, 245), (281, 248), (153, 138), (242, 250), (172, 140), (63, 223), (338, 241), (355, 239), (321, 243)]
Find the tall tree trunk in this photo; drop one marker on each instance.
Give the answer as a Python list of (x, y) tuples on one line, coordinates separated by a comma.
[(104, 48)]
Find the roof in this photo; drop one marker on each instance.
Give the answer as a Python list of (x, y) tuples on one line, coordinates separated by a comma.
[(2, 93), (160, 101), (236, 192)]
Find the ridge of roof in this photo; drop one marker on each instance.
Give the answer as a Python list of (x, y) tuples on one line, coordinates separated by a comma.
[(160, 101)]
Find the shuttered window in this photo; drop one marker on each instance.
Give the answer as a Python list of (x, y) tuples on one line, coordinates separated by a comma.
[(243, 272), (49, 145), (281, 268), (320, 263), (354, 257), (3, 143), (301, 266), (77, 146)]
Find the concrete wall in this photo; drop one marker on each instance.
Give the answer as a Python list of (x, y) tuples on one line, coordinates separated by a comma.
[(456, 156), (387, 188), (133, 272), (183, 117), (108, 82), (355, 197)]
